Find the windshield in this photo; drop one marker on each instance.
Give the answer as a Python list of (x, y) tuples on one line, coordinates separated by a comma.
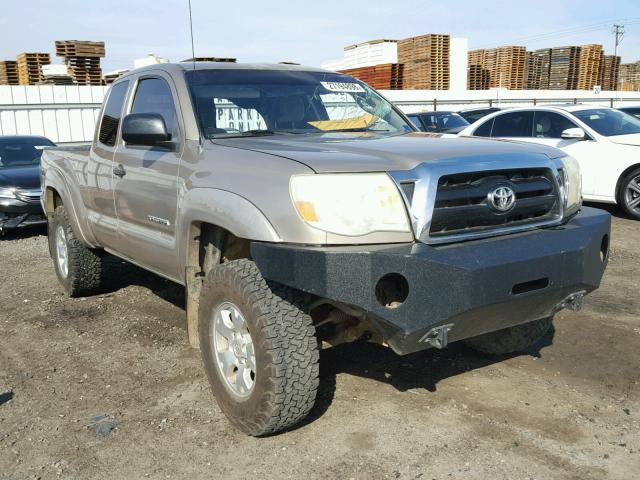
[(609, 122), (20, 152), (237, 103), (443, 121)]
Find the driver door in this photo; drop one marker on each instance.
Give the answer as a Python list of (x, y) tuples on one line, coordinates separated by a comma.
[(146, 184)]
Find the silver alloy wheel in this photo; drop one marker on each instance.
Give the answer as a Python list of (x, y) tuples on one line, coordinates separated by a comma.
[(233, 349), (61, 251), (632, 194)]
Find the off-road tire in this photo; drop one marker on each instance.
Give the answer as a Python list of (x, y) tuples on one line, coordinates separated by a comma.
[(512, 339), (286, 349), (622, 192), (84, 264)]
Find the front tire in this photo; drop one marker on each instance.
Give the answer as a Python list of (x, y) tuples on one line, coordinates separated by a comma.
[(78, 267), (259, 349), (629, 194), (512, 339)]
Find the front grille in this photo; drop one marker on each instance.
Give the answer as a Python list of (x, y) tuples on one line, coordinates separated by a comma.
[(28, 196), (464, 203)]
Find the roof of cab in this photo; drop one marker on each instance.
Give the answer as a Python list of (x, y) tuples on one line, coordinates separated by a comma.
[(186, 66)]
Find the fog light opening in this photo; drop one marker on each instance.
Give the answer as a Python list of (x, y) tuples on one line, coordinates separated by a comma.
[(604, 249), (392, 290)]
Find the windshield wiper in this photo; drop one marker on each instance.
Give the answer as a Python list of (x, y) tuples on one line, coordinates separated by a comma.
[(358, 129), (251, 133)]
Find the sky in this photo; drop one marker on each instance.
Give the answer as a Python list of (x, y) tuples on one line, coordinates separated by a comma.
[(307, 32)]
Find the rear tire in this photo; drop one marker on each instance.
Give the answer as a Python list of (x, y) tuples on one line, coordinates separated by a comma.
[(78, 267), (511, 340), (629, 194), (259, 348)]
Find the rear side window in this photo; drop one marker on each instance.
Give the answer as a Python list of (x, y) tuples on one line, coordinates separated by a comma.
[(514, 124), (154, 96), (484, 130), (112, 113)]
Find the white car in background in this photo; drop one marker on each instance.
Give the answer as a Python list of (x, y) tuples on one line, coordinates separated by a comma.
[(604, 141)]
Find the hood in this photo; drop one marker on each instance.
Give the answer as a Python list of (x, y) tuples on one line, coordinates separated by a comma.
[(632, 139), (366, 152), (22, 177)]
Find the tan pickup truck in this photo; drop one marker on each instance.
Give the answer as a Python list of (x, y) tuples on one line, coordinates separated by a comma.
[(299, 208)]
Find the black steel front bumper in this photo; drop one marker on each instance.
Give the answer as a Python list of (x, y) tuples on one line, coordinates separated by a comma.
[(474, 287), (15, 213)]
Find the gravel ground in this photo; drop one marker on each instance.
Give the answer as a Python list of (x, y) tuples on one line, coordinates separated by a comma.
[(107, 387)]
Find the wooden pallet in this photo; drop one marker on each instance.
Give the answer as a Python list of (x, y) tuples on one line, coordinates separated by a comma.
[(590, 66), (610, 72), (9, 72), (426, 61), (497, 67), (79, 48), (388, 76), (29, 67)]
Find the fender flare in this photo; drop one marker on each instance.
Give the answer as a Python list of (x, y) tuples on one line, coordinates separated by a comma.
[(72, 200), (224, 209)]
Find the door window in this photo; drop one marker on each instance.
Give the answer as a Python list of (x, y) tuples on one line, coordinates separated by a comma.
[(484, 130), (514, 124), (112, 113), (550, 124), (154, 96)]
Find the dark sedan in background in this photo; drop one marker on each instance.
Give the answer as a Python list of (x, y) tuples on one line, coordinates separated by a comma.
[(635, 111), (20, 181), (474, 114), (438, 122)]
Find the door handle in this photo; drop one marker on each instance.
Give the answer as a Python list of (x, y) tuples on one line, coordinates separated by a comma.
[(119, 171)]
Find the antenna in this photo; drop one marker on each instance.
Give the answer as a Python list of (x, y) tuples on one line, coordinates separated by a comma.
[(193, 48), (193, 62)]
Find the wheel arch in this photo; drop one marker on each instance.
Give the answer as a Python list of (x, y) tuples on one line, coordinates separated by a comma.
[(621, 177)]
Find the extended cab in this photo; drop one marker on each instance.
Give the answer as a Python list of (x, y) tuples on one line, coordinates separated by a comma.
[(298, 207)]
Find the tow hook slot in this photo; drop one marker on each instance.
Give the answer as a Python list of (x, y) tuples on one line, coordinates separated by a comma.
[(437, 337), (572, 302)]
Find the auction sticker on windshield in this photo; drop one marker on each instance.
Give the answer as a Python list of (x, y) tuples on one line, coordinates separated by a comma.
[(343, 87)]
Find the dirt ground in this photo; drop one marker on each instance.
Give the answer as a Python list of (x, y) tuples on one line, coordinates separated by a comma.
[(107, 387)]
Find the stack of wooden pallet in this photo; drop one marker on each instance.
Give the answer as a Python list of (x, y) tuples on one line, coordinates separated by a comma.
[(82, 59), (564, 67), (30, 67), (426, 62), (9, 72), (533, 71), (477, 73), (610, 72), (388, 76), (507, 67), (630, 77), (590, 66), (502, 67), (544, 64)]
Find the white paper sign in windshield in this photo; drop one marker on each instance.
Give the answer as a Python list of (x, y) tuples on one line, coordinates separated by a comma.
[(343, 87)]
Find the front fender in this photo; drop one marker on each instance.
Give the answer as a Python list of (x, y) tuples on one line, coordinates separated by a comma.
[(223, 209)]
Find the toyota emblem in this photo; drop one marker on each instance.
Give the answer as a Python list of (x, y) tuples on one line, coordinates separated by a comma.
[(502, 198)]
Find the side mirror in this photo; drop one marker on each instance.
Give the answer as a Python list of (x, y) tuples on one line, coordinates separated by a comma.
[(146, 129), (573, 134)]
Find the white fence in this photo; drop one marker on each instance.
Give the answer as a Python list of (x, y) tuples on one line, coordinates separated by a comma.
[(64, 114), (68, 114)]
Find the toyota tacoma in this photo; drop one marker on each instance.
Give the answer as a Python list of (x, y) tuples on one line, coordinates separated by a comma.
[(300, 209)]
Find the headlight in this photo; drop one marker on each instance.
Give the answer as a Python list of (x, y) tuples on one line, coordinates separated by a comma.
[(350, 204), (572, 185), (7, 192)]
